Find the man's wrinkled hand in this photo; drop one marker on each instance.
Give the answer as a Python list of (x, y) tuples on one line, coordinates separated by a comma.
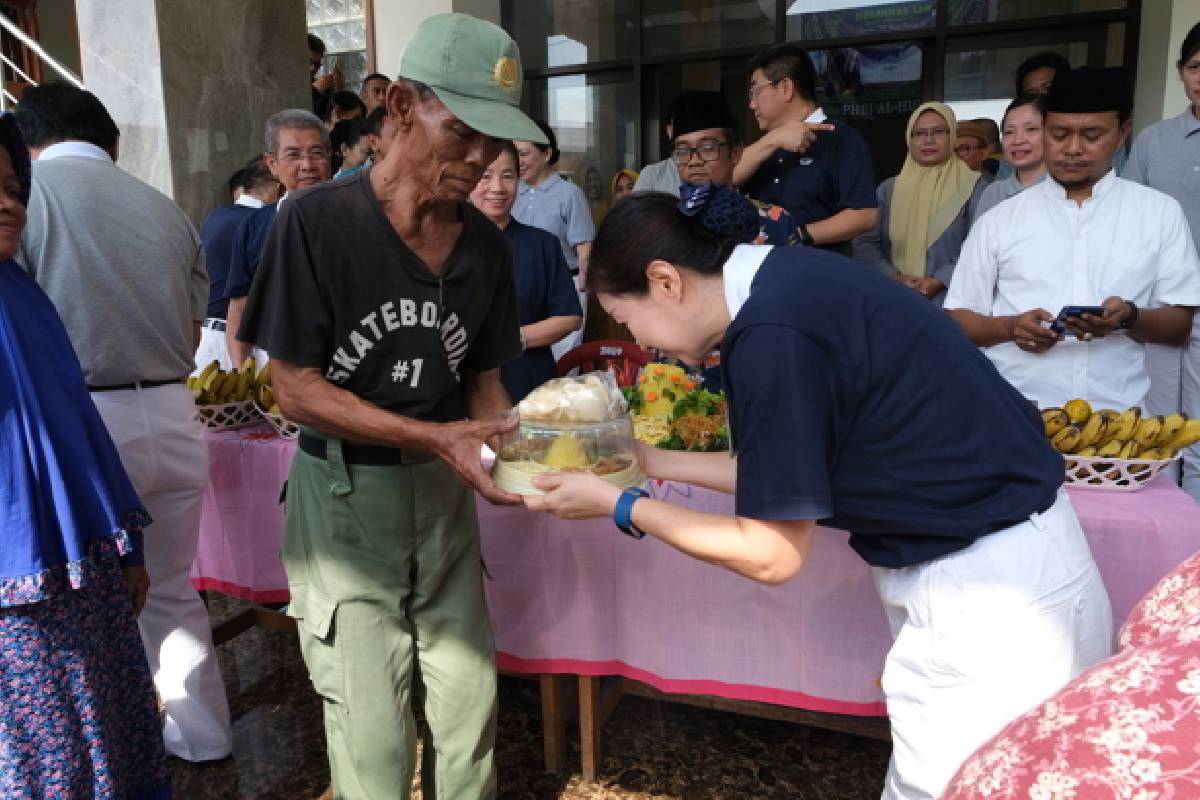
[(459, 445)]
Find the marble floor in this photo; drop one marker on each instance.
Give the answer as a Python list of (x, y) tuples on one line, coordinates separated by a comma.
[(653, 749)]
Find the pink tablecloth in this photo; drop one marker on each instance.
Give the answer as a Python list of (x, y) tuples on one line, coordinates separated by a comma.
[(242, 519), (579, 597)]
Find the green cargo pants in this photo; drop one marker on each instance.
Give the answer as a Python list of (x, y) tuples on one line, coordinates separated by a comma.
[(385, 574)]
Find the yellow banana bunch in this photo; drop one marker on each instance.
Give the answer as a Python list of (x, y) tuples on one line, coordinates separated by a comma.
[(1126, 424), (1171, 427), (215, 386), (1187, 436), (1067, 440), (266, 397), (1078, 410), (1147, 431), (1054, 420), (1076, 429), (1092, 431), (213, 366)]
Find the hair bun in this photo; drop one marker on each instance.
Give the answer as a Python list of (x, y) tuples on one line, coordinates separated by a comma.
[(720, 210)]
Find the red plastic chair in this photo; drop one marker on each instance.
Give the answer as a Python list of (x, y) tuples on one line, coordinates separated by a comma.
[(623, 358)]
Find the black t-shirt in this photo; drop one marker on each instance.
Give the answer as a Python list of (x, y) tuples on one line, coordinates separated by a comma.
[(853, 400), (339, 290)]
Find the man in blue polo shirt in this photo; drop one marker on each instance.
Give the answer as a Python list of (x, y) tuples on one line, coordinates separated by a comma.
[(259, 187), (298, 156), (817, 168)]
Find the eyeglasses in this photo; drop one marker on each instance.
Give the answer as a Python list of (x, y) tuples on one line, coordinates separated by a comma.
[(296, 157), (754, 90), (930, 133), (965, 149), (708, 150)]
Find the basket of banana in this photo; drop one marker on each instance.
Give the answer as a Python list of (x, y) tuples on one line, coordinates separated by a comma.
[(264, 401), (224, 400), (1117, 451)]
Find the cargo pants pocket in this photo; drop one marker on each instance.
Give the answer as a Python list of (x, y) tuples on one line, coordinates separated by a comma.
[(320, 644)]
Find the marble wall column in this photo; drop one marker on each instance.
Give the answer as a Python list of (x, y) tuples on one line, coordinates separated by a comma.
[(190, 84)]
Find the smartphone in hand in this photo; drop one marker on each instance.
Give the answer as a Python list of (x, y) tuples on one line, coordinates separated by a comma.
[(1073, 311)]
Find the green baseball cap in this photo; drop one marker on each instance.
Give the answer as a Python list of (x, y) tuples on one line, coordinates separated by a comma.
[(474, 67)]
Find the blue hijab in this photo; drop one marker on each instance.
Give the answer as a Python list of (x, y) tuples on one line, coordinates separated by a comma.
[(62, 485)]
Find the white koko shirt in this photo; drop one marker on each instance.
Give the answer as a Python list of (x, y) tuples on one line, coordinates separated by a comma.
[(1041, 250)]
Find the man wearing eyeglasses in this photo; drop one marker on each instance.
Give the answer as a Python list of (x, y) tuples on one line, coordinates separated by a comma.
[(706, 148), (817, 168), (298, 156)]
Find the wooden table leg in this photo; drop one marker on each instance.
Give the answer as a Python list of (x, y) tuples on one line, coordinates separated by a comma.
[(248, 618), (239, 623), (598, 698), (558, 710)]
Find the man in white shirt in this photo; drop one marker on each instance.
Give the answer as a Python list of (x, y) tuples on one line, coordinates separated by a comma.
[(1082, 238)]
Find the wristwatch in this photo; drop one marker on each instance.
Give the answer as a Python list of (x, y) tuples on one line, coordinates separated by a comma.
[(623, 515), (1131, 320), (805, 237)]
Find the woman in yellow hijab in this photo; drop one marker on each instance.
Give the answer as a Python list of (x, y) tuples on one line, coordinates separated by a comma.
[(923, 211)]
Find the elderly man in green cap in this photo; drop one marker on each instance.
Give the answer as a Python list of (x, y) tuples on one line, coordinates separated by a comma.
[(387, 304)]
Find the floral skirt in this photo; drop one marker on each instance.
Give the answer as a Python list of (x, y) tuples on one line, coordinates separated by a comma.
[(77, 705)]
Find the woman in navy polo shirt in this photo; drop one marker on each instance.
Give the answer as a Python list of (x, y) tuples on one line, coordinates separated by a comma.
[(547, 304), (855, 403)]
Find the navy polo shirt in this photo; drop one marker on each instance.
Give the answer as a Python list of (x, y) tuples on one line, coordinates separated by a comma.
[(854, 401), (248, 245), (835, 174), (217, 233), (545, 289)]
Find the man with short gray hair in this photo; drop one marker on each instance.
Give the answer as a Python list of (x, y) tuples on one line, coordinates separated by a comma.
[(297, 153)]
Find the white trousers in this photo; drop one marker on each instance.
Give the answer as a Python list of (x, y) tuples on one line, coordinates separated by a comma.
[(1175, 386), (213, 347), (983, 635), (162, 448)]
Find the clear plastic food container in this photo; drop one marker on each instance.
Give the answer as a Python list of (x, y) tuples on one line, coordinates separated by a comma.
[(605, 449)]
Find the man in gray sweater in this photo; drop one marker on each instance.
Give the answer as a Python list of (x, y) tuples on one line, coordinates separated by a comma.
[(125, 270)]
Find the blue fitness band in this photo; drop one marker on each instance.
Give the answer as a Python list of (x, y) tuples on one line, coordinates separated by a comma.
[(623, 515)]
